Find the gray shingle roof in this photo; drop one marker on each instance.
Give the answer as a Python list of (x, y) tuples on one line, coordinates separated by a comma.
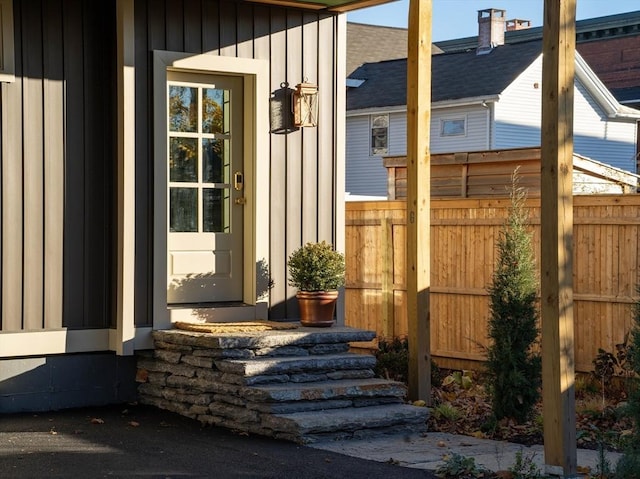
[(454, 76), (374, 43)]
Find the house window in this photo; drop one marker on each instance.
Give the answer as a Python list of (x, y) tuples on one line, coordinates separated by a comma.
[(6, 41), (453, 127), (379, 135)]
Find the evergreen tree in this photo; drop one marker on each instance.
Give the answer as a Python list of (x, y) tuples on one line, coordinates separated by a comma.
[(513, 368), (628, 466)]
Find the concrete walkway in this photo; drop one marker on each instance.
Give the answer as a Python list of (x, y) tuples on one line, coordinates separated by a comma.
[(427, 451)]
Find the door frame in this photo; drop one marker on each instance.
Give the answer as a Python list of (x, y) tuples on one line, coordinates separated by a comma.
[(256, 141)]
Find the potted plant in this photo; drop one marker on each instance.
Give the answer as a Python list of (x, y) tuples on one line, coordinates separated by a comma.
[(317, 270)]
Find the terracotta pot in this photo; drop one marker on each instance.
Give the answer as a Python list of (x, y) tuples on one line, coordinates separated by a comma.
[(317, 308)]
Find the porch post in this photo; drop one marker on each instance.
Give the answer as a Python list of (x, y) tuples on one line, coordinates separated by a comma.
[(122, 339), (418, 197), (558, 366)]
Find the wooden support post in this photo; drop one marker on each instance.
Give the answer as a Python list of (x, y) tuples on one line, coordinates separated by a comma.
[(418, 197), (558, 365), (388, 300)]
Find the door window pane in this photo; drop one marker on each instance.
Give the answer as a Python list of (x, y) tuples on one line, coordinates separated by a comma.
[(215, 210), (183, 159), (183, 108), (215, 169), (183, 210), (212, 110)]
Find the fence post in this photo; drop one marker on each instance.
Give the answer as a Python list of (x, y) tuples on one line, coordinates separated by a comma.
[(386, 243)]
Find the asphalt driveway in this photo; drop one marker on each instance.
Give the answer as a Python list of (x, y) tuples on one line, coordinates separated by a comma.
[(131, 441)]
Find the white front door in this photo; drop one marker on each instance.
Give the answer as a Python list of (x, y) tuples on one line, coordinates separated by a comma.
[(205, 197)]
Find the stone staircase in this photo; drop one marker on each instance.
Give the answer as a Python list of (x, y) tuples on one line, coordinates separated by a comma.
[(301, 385)]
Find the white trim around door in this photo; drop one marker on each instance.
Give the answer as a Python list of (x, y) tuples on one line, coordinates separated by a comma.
[(255, 77)]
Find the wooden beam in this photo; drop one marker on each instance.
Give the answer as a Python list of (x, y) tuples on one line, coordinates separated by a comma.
[(558, 364), (418, 197)]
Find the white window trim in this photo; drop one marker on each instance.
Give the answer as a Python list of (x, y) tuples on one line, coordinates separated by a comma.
[(456, 118), (371, 118), (7, 56)]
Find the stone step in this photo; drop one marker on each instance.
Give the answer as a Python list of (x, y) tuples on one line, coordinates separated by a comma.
[(306, 427), (269, 366), (326, 390), (268, 339)]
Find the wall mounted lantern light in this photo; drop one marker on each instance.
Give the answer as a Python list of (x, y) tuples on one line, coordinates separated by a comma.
[(305, 104)]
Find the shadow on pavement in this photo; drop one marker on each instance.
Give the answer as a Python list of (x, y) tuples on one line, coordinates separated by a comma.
[(139, 441)]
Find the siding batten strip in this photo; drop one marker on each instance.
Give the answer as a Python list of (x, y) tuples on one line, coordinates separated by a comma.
[(123, 340), (53, 165), (12, 203)]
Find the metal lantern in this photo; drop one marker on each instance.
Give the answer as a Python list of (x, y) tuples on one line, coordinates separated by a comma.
[(305, 105)]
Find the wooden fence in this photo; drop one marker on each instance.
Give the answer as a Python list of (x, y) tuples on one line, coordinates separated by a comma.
[(463, 238)]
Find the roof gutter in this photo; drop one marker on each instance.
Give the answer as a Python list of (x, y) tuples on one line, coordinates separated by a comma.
[(477, 101)]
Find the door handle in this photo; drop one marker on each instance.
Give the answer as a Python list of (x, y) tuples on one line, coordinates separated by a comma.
[(238, 180)]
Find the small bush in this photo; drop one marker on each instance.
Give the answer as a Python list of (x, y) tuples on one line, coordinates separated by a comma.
[(392, 361), (447, 411), (629, 464), (524, 467), (457, 466)]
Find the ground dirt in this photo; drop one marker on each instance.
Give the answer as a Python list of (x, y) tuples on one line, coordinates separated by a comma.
[(463, 407)]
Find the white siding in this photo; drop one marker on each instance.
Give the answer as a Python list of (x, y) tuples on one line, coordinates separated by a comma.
[(365, 174), (397, 134), (518, 116), (475, 137), (518, 113), (597, 137)]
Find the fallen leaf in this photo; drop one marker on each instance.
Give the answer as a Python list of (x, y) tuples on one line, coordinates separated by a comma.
[(97, 420), (420, 403), (134, 423)]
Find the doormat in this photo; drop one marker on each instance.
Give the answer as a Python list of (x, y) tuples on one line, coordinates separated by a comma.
[(240, 327)]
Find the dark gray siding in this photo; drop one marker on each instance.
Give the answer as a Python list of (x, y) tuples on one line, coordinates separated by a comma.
[(298, 45), (58, 146)]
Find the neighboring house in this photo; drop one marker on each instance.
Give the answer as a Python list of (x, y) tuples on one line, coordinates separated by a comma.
[(374, 43), (610, 45), (482, 99), (141, 183)]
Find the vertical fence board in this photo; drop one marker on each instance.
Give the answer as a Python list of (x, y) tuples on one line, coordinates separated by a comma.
[(464, 232)]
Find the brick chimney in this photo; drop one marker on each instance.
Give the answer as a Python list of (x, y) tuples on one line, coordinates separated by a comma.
[(491, 25), (518, 24)]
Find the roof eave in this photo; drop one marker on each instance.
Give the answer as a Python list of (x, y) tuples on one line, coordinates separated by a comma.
[(602, 95), (336, 6)]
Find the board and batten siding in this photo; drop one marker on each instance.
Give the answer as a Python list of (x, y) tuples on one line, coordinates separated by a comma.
[(518, 113), (58, 137), (305, 164)]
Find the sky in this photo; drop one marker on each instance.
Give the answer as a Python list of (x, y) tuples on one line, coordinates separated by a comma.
[(459, 18)]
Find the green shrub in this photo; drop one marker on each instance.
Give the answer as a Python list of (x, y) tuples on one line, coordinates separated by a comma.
[(316, 267), (457, 466), (629, 464), (524, 467), (514, 370), (446, 411), (392, 361)]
